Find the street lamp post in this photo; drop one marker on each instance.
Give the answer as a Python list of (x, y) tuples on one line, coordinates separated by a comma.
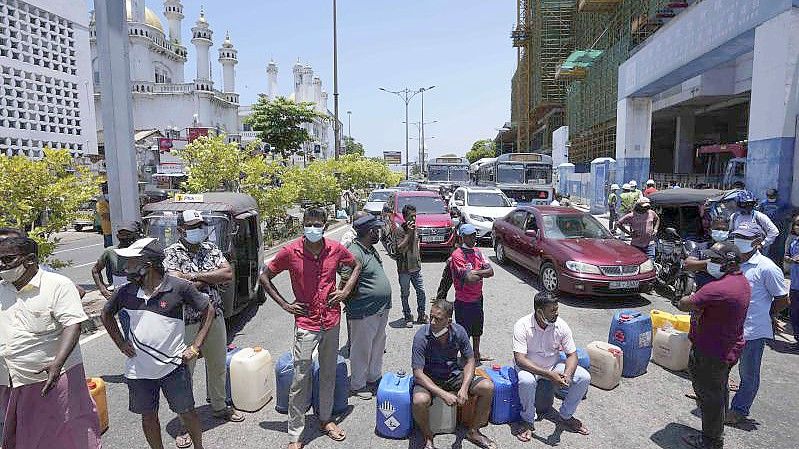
[(337, 137), (422, 140), (349, 124), (421, 155), (406, 95)]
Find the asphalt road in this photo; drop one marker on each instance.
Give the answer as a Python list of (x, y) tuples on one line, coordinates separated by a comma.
[(649, 411), (81, 250)]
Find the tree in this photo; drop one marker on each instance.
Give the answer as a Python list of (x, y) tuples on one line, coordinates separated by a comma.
[(279, 123), (262, 181), (480, 149), (212, 164), (352, 146), (315, 183)]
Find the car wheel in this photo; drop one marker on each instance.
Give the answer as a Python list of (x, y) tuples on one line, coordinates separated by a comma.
[(548, 276), (499, 250)]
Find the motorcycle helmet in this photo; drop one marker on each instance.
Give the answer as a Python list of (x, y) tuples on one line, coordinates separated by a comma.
[(745, 199)]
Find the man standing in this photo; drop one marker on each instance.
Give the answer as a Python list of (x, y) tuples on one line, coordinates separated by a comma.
[(200, 262), (642, 225), (634, 188), (776, 213), (127, 234), (49, 405), (351, 234), (469, 267), (150, 309), (769, 297), (104, 211), (537, 339), (628, 199), (438, 373), (313, 262), (650, 187), (747, 217), (367, 310), (409, 266), (613, 207), (718, 311)]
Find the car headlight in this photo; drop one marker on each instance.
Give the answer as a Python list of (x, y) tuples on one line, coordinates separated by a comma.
[(582, 267), (646, 267), (478, 217)]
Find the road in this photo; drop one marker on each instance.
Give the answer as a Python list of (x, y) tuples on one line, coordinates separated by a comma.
[(81, 250), (645, 412)]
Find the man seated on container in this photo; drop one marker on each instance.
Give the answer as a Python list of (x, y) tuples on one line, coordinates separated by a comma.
[(438, 373), (537, 340)]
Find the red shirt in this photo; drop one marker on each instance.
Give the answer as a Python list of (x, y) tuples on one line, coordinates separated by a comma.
[(462, 262), (717, 327), (649, 190), (313, 279)]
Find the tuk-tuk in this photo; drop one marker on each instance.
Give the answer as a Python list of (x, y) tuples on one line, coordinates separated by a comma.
[(87, 216), (688, 211), (234, 227)]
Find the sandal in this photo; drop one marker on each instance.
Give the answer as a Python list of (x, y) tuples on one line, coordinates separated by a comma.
[(335, 433), (733, 386), (482, 441), (229, 415), (575, 425), (183, 441), (524, 433), (295, 445)]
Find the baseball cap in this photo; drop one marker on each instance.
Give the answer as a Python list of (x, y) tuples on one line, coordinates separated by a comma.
[(467, 229), (367, 222), (192, 217), (145, 247), (726, 251)]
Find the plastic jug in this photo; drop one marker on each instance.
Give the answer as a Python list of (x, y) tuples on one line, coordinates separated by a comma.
[(467, 412), (443, 418), (505, 406), (341, 394), (97, 390), (284, 375), (394, 414), (631, 331), (583, 360), (671, 349), (606, 364), (231, 351), (681, 322), (251, 381)]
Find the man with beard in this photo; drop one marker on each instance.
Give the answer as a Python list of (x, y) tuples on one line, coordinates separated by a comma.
[(127, 234)]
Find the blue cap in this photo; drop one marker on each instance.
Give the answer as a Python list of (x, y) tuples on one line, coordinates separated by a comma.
[(467, 229), (367, 222)]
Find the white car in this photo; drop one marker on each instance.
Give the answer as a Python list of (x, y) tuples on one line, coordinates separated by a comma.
[(480, 206), (376, 200)]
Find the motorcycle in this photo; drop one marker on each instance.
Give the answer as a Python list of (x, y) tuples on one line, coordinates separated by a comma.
[(673, 281)]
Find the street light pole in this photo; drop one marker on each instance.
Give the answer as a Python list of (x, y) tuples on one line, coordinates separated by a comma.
[(349, 124), (421, 155), (337, 138), (406, 95)]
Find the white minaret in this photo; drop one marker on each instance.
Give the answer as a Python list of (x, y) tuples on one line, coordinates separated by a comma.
[(297, 70), (324, 101), (136, 12), (307, 86), (173, 11), (201, 38), (271, 77), (227, 57), (317, 92)]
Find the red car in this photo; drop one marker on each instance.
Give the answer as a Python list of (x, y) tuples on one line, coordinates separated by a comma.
[(433, 223), (571, 252)]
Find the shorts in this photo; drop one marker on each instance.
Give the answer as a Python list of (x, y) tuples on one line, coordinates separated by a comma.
[(470, 316), (452, 384), (177, 389)]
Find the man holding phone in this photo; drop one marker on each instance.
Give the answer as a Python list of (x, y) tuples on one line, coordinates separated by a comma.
[(409, 266)]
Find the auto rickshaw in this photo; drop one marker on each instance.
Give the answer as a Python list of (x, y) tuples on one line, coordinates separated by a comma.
[(688, 211), (234, 227)]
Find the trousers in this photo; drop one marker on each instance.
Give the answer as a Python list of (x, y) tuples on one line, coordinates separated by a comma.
[(709, 376), (214, 353), (529, 383), (367, 344)]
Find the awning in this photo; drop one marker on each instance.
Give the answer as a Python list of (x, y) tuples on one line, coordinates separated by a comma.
[(737, 149)]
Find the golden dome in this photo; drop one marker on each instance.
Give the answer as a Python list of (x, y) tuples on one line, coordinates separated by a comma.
[(150, 18)]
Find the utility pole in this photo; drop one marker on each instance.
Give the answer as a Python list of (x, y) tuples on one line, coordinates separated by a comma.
[(421, 155), (335, 84), (349, 124), (406, 95)]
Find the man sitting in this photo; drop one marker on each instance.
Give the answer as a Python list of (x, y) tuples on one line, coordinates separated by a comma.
[(537, 339), (436, 371)]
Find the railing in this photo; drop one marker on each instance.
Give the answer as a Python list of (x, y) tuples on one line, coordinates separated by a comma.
[(160, 88)]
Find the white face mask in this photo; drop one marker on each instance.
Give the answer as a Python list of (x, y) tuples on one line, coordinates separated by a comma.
[(745, 246), (546, 321), (13, 274), (196, 236), (719, 235), (714, 269), (441, 332), (313, 234)]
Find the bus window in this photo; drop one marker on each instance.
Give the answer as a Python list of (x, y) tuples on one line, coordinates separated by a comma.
[(510, 173)]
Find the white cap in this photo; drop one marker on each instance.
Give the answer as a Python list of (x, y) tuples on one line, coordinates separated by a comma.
[(614, 187), (633, 183), (141, 247), (625, 186), (192, 217), (650, 182)]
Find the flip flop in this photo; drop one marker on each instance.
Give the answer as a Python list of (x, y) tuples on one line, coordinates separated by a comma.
[(519, 434), (297, 445), (183, 441), (575, 425), (484, 442), (335, 434), (229, 415)]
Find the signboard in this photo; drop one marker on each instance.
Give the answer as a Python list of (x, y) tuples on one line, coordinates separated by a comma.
[(170, 168), (524, 157), (164, 144), (197, 132), (392, 157), (189, 198)]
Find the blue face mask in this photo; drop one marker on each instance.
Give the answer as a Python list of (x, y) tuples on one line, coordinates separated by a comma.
[(313, 234), (719, 235)]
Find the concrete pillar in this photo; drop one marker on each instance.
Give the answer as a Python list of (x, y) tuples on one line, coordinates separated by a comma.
[(137, 8), (633, 139), (564, 171), (774, 107), (684, 142), (560, 150), (601, 170)]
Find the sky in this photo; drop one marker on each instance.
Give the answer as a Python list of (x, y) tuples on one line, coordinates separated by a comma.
[(461, 47)]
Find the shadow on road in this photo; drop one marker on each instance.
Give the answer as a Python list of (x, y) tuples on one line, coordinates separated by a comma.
[(783, 347), (670, 437), (312, 430), (236, 324), (114, 379), (207, 421)]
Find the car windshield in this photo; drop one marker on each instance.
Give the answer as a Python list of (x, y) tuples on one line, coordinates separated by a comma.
[(424, 204), (437, 173), (379, 196), (458, 174), (574, 227), (510, 173), (165, 229), (488, 199), (539, 175)]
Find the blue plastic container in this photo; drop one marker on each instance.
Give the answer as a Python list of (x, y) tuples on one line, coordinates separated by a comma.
[(341, 394), (394, 405), (631, 331), (284, 374), (583, 360), (505, 406), (231, 351)]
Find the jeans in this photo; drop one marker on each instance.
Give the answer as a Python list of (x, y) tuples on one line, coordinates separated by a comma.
[(649, 250), (709, 376), (368, 342), (529, 383), (795, 313), (405, 279), (749, 370), (214, 351)]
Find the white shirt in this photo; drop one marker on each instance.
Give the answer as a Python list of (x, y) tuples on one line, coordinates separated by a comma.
[(554, 203), (767, 282), (31, 323), (757, 221), (541, 346)]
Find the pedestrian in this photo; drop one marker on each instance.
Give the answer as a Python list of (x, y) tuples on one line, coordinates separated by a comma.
[(351, 234), (628, 199), (642, 225), (613, 207), (556, 201), (718, 311), (650, 187), (196, 259), (537, 339), (769, 297), (104, 211), (776, 212), (409, 266), (747, 217), (438, 372), (40, 318), (792, 260), (150, 309), (313, 262), (771, 206), (634, 188), (367, 309), (126, 235), (469, 267), (697, 259)]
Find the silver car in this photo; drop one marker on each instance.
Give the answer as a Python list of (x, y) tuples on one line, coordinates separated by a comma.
[(376, 200)]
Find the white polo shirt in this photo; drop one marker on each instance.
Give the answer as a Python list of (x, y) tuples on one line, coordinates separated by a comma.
[(31, 323), (767, 282), (542, 345)]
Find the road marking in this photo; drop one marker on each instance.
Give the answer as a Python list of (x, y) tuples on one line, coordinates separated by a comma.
[(81, 265), (93, 337), (75, 249)]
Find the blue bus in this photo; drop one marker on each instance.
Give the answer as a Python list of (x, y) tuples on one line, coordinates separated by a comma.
[(523, 177)]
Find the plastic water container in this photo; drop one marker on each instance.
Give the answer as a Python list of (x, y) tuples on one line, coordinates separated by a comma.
[(341, 394), (671, 349), (284, 375), (231, 351), (443, 418), (661, 319), (583, 360), (505, 406), (467, 412), (606, 364), (251, 381), (394, 414), (631, 331), (97, 390)]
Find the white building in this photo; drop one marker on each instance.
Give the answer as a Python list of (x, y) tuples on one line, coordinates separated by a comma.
[(162, 99), (45, 78)]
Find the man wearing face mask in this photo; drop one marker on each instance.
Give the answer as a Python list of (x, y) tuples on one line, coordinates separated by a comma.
[(40, 316), (747, 217), (537, 340), (200, 261), (769, 297), (126, 235), (697, 260), (718, 311), (642, 225)]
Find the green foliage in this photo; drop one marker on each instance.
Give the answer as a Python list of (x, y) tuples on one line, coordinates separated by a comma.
[(44, 196), (357, 172), (279, 122), (353, 146), (261, 179), (314, 183), (212, 164), (480, 149)]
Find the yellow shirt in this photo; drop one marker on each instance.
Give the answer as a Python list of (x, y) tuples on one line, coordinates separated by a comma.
[(103, 210)]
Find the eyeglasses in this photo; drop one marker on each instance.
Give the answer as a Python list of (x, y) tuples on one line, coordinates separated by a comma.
[(6, 260)]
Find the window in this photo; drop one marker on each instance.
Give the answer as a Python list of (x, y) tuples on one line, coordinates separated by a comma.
[(517, 218), (488, 199), (573, 227)]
